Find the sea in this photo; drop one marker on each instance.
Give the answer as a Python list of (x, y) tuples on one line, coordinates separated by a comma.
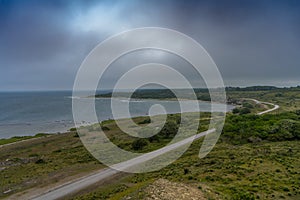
[(29, 113)]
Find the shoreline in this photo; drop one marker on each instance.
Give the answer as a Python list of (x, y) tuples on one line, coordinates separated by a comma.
[(69, 130), (19, 139), (63, 126), (161, 99)]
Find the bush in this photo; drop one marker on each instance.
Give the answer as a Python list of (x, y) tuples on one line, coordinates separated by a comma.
[(244, 111), (243, 196), (145, 121), (186, 171), (40, 161), (154, 138), (105, 128), (285, 129), (76, 134), (235, 111), (241, 129), (41, 134), (247, 105), (169, 129), (139, 144), (73, 129)]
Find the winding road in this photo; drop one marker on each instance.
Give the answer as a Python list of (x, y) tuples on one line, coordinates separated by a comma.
[(268, 103)]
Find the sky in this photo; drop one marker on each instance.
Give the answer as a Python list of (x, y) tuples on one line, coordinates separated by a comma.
[(43, 43)]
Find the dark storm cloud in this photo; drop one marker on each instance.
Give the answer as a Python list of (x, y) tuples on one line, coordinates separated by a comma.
[(249, 40), (42, 43), (39, 49)]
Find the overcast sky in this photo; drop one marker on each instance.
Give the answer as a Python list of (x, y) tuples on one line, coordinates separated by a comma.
[(43, 43)]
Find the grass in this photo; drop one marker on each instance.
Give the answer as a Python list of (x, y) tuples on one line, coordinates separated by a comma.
[(251, 171), (47, 160), (21, 138), (125, 186), (125, 141), (236, 168), (265, 170)]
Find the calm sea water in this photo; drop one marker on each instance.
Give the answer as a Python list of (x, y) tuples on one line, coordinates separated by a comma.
[(28, 113)]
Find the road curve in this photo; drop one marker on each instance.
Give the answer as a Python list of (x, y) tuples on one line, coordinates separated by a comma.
[(79, 184), (268, 103), (270, 110)]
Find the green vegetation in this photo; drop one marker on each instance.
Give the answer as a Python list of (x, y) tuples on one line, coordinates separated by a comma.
[(287, 98), (20, 138), (252, 88), (248, 128), (142, 94), (43, 161), (266, 171), (139, 144), (163, 137), (256, 157), (245, 106)]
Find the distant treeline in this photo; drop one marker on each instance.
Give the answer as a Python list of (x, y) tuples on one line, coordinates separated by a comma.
[(260, 88), (201, 93), (252, 88), (142, 93)]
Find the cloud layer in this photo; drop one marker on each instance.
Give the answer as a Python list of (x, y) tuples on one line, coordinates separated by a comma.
[(42, 43)]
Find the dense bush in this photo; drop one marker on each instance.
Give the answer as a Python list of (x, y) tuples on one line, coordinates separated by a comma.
[(244, 111), (248, 105), (240, 129), (139, 144), (285, 129), (73, 129), (169, 129), (235, 111), (241, 111)]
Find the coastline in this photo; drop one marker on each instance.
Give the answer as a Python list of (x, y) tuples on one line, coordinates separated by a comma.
[(65, 120), (6, 141)]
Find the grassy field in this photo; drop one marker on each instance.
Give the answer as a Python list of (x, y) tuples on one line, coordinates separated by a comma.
[(252, 171), (21, 138), (43, 161), (239, 167), (257, 157)]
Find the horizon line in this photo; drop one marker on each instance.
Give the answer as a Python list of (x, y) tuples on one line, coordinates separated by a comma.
[(68, 90)]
